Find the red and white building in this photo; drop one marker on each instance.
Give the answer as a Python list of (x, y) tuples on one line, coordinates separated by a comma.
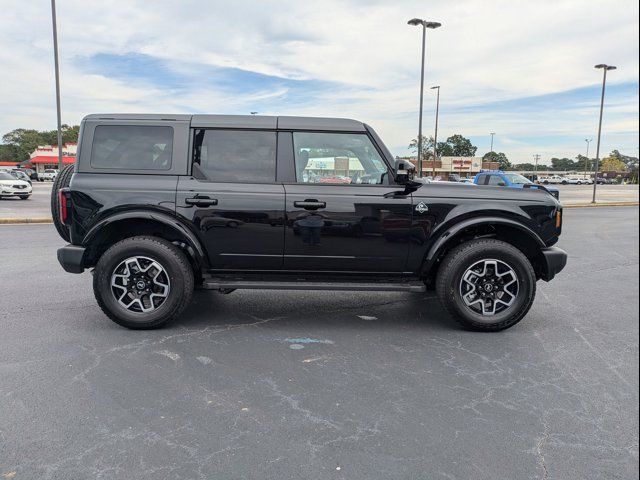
[(46, 156)]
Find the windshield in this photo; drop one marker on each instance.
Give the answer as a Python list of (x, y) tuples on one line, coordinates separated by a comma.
[(6, 176), (517, 179)]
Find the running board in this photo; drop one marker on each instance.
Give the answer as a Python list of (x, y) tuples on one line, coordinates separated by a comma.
[(241, 284)]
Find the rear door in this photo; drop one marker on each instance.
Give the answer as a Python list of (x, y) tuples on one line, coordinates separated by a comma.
[(233, 200), (342, 213)]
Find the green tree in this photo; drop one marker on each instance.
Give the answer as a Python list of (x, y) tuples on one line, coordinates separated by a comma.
[(427, 147), (461, 146), (500, 158), (613, 164), (19, 143), (563, 164)]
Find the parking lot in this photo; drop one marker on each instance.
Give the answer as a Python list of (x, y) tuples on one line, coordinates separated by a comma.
[(275, 385), (38, 205)]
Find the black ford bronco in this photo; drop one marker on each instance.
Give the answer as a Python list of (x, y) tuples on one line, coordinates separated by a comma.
[(157, 205)]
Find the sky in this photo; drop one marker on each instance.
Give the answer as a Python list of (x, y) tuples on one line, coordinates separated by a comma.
[(521, 69)]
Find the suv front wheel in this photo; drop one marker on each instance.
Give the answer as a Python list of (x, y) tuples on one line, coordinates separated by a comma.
[(486, 284), (143, 282)]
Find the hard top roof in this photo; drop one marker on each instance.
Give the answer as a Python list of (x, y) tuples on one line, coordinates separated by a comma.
[(259, 122)]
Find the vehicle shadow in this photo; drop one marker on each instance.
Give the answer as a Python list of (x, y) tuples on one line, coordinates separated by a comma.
[(375, 309)]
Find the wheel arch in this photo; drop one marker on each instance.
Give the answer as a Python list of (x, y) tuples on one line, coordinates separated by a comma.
[(509, 231), (123, 225)]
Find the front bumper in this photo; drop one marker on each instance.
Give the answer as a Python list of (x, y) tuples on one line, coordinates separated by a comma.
[(555, 259), (71, 257)]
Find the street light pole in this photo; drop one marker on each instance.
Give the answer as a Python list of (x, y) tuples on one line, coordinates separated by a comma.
[(605, 68), (57, 74), (425, 25), (535, 171), (435, 135), (586, 162), (492, 134)]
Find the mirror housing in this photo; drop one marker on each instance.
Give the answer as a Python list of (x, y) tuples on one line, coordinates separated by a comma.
[(405, 171)]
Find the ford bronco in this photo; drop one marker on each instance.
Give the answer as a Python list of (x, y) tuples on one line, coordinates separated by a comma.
[(159, 204)]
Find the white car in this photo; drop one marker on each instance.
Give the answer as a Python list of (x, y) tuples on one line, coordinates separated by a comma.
[(553, 180), (48, 174), (10, 186)]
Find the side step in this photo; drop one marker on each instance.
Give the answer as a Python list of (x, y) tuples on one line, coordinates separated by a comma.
[(212, 283)]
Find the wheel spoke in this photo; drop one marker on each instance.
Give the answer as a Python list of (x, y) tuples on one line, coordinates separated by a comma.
[(140, 284), (489, 287)]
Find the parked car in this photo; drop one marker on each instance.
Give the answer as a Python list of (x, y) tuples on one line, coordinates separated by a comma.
[(498, 178), (32, 174), (553, 180), (143, 227), (10, 186), (20, 175), (49, 174)]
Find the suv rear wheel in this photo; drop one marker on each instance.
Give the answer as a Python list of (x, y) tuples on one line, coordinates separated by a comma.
[(486, 284), (143, 282), (60, 181)]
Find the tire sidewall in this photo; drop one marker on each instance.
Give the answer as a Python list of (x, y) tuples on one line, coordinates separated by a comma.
[(113, 257), (526, 288)]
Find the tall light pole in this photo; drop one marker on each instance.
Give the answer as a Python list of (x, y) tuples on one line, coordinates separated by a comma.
[(605, 68), (425, 25), (536, 157), (492, 135), (435, 135), (586, 162), (57, 69)]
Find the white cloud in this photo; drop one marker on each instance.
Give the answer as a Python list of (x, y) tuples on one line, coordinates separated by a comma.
[(485, 52)]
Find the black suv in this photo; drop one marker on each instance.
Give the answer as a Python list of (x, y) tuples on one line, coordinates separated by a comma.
[(159, 204)]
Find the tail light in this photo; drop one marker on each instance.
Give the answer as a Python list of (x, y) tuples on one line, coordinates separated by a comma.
[(64, 200), (559, 219)]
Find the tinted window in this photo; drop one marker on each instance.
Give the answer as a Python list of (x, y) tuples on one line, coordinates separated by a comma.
[(132, 147), (337, 158), (235, 156), (495, 180)]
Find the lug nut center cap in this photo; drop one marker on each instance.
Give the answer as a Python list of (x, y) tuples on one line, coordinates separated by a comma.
[(141, 285), (488, 287)]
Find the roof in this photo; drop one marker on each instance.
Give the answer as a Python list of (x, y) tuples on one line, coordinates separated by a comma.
[(8, 164), (50, 160), (253, 122)]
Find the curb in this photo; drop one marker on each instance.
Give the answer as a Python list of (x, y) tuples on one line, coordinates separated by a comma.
[(602, 204), (17, 221)]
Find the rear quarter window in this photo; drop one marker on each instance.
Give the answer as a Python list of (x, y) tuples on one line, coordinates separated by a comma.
[(132, 147)]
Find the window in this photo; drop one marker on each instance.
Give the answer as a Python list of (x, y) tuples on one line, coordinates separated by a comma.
[(235, 156), (337, 158), (496, 180), (132, 147), (517, 179)]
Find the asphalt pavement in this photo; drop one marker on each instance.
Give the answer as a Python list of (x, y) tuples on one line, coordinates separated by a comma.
[(38, 206), (328, 385)]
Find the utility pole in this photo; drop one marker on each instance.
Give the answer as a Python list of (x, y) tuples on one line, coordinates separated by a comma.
[(435, 138), (586, 162), (492, 135), (605, 68), (425, 25), (536, 157), (57, 69)]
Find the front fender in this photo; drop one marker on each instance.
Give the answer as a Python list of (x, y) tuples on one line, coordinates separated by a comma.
[(440, 242)]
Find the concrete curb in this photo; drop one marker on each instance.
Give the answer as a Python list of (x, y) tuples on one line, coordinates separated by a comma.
[(601, 204), (14, 221)]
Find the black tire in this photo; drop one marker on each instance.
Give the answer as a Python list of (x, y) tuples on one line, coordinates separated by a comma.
[(463, 257), (61, 181), (171, 259), (24, 197)]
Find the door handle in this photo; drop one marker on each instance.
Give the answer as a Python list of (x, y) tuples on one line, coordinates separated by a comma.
[(310, 204), (201, 201)]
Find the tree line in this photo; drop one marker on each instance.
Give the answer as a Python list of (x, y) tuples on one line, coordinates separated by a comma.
[(18, 144), (459, 146)]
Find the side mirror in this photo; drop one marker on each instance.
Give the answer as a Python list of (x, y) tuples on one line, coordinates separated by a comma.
[(405, 171)]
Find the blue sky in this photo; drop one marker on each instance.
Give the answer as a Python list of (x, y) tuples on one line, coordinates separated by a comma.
[(521, 69)]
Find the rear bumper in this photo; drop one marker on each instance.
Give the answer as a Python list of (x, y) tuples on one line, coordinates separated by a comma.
[(555, 259), (71, 257)]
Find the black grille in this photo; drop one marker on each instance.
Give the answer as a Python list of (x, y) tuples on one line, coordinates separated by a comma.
[(20, 186)]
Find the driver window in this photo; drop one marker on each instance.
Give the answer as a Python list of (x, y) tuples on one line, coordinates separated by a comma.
[(495, 180), (337, 158)]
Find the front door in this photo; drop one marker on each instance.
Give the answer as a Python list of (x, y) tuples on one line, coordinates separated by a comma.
[(233, 200), (342, 214)]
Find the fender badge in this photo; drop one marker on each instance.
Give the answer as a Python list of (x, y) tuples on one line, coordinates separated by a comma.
[(422, 207)]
